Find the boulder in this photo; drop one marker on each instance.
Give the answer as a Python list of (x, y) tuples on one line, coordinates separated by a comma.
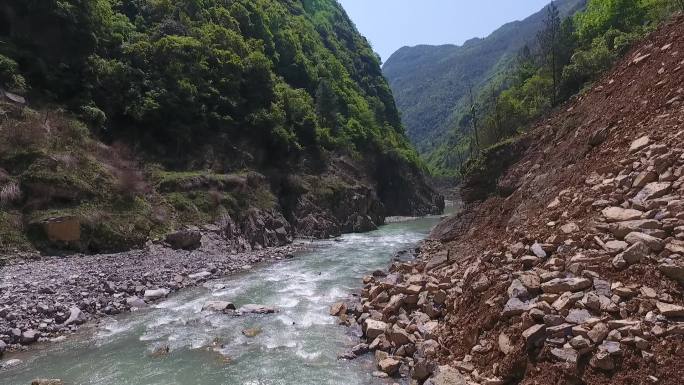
[(29, 336), (670, 310), (136, 302), (538, 250), (76, 316), (398, 336), (185, 239), (218, 306), (618, 214), (338, 309), (256, 309), (389, 365), (622, 229), (602, 360), (673, 270), (373, 328), (650, 241), (534, 335), (155, 294), (639, 144), (561, 285), (505, 345), (635, 253), (652, 191), (514, 307), (568, 355), (446, 375)]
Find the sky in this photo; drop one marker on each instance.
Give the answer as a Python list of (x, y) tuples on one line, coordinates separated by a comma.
[(392, 24)]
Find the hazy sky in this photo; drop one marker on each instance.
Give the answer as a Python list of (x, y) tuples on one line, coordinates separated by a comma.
[(392, 24)]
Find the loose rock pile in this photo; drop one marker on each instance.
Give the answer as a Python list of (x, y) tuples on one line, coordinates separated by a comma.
[(577, 276)]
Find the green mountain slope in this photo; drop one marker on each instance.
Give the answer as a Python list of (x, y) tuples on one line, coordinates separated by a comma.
[(289, 89), (431, 83)]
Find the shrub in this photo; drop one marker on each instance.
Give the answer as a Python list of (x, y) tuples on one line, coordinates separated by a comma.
[(10, 194)]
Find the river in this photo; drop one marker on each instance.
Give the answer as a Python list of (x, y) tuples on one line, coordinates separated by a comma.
[(298, 345)]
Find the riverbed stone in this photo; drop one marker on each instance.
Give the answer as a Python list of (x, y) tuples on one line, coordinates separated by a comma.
[(218, 306), (155, 294), (389, 365), (256, 309)]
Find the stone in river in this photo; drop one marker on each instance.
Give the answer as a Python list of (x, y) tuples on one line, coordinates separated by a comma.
[(156, 294), (389, 365), (218, 306), (256, 309), (338, 309), (76, 316)]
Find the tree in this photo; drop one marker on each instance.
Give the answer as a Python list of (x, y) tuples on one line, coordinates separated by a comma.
[(549, 38)]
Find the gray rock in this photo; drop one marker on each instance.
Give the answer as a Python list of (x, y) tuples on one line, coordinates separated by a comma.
[(445, 375), (256, 309), (136, 302), (621, 229), (373, 328), (514, 307), (619, 214), (29, 336), (568, 355), (538, 250), (670, 310), (673, 270), (13, 363), (651, 242), (218, 306), (156, 294), (76, 316), (602, 360), (635, 253), (652, 191), (534, 335), (578, 316), (561, 285)]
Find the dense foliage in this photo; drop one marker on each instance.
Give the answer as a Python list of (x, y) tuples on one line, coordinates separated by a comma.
[(566, 56), (278, 80), (569, 55), (432, 83)]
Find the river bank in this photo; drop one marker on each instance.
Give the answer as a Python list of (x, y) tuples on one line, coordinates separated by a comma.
[(47, 299), (300, 343)]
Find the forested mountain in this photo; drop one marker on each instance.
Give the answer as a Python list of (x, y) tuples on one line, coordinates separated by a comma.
[(289, 89), (432, 83)]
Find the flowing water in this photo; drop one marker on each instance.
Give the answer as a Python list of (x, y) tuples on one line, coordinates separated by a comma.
[(297, 345)]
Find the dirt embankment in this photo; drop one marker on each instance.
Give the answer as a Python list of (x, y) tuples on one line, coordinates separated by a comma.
[(576, 276)]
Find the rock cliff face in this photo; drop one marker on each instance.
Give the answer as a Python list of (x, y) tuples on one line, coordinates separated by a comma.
[(575, 274)]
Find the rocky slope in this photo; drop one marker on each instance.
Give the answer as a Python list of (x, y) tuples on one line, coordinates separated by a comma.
[(574, 274)]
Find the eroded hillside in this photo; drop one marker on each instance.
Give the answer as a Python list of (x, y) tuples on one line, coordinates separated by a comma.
[(575, 275)]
